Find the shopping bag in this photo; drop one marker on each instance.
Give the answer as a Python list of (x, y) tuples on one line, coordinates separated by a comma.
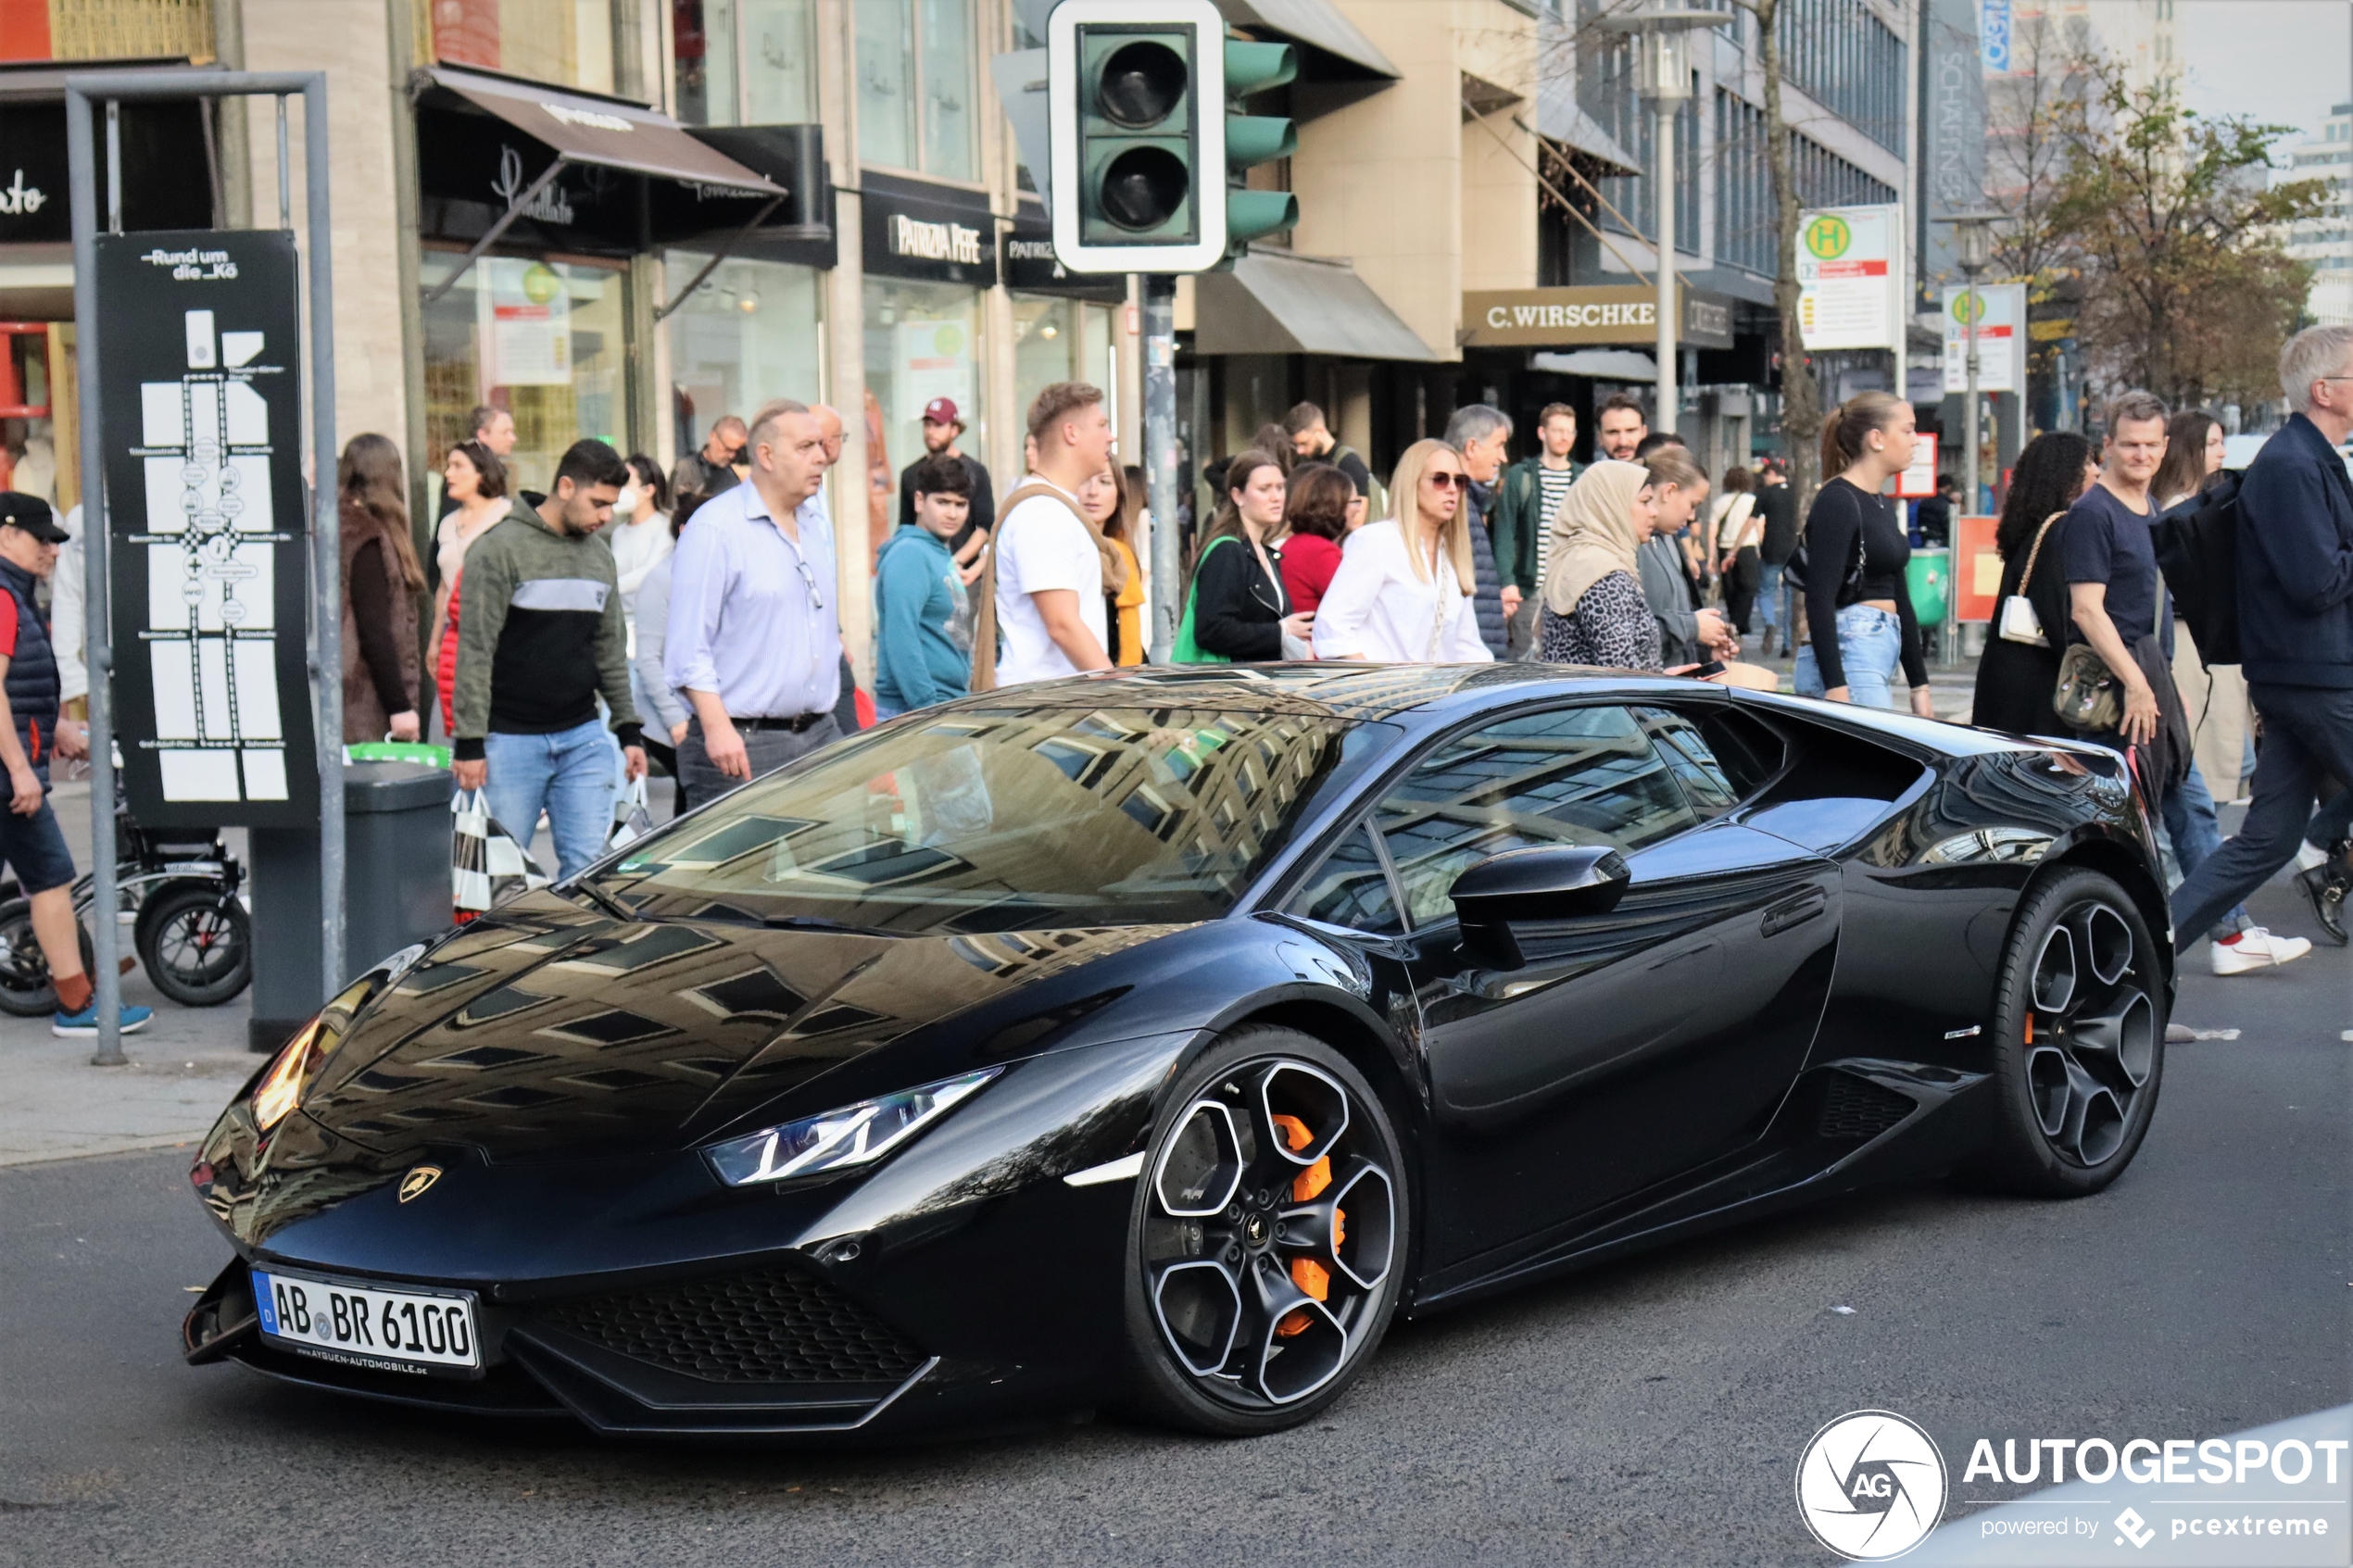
[(631, 819), (398, 751), (487, 866)]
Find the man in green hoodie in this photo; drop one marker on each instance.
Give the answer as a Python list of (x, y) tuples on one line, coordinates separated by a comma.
[(1532, 491), (539, 635)]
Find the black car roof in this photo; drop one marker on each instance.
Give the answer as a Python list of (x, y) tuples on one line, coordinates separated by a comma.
[(1333, 689)]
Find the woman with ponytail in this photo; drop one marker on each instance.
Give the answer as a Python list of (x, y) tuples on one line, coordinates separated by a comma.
[(1858, 605)]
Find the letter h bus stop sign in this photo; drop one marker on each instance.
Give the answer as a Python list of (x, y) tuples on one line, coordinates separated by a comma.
[(212, 558)]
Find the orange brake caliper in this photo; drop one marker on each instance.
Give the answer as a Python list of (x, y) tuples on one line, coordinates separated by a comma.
[(1312, 1277)]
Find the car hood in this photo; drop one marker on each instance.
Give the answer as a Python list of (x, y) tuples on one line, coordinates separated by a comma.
[(547, 1031)]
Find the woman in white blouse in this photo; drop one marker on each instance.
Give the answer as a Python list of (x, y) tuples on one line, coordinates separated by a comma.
[(1403, 592)]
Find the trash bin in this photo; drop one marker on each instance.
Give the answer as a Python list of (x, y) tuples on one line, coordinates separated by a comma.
[(1930, 579), (396, 836)]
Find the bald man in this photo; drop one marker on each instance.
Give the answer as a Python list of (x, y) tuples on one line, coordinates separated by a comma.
[(713, 470)]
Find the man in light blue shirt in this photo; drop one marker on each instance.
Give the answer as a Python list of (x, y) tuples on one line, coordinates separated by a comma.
[(754, 641)]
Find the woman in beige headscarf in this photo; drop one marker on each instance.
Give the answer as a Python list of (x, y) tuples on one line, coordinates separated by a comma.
[(1593, 611)]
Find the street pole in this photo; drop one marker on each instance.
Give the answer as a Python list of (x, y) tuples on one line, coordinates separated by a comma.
[(1976, 306), (1666, 417), (1158, 292)]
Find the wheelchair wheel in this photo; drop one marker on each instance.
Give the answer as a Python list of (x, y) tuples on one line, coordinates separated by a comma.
[(196, 942), (25, 987)]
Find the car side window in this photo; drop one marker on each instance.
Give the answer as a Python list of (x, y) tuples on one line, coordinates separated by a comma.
[(1351, 888), (1719, 757), (1572, 775)]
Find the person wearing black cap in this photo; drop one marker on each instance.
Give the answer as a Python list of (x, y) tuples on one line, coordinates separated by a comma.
[(943, 426), (30, 839)]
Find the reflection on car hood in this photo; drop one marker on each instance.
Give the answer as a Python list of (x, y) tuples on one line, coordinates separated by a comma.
[(546, 1029)]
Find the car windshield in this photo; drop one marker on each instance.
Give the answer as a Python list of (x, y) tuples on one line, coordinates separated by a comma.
[(1003, 820)]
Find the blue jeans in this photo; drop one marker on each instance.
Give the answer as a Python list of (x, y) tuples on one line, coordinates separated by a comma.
[(1870, 645), (1769, 598), (569, 775), (2196, 832), (2308, 735)]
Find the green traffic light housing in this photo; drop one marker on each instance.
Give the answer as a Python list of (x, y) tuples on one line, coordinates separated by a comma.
[(1255, 139), (1148, 144)]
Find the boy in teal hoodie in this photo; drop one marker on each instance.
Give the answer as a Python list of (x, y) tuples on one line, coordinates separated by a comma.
[(923, 612)]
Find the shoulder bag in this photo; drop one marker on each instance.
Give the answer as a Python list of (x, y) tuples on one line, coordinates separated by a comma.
[(1185, 650), (2088, 697), (2019, 624)]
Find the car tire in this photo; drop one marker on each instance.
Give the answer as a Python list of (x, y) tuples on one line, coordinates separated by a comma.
[(26, 990), (1251, 1307), (2079, 1015)]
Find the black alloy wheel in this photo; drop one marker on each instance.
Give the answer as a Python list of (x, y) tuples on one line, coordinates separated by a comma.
[(26, 990), (2080, 1019), (1269, 1237), (197, 943)]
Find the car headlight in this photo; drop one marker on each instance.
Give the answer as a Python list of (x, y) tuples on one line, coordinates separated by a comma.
[(281, 1088), (855, 1134)]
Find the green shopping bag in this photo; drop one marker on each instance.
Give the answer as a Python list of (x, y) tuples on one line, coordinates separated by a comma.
[(1185, 650), (398, 751)]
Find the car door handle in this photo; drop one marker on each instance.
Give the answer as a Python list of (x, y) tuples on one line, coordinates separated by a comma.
[(1797, 909)]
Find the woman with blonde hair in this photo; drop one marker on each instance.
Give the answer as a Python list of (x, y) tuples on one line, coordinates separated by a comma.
[(1112, 503), (1403, 593)]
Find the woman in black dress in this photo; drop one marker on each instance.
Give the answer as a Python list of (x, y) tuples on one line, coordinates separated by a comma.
[(2015, 679)]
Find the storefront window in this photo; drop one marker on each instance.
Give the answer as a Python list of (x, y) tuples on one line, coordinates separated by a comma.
[(916, 85), (922, 342), (543, 340), (564, 41), (748, 332), (744, 62), (1057, 339)]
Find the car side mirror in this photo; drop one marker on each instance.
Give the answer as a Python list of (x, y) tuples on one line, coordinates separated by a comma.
[(1546, 884)]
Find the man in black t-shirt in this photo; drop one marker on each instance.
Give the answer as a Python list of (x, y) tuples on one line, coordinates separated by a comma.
[(943, 424), (1778, 503), (1313, 441)]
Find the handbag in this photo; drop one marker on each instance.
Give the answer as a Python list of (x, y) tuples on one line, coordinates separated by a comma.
[(632, 820), (2088, 695), (486, 865), (1185, 650), (2019, 624)]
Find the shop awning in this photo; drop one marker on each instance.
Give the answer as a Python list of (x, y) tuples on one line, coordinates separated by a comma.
[(1274, 302), (583, 127), (1560, 120), (1316, 23), (1603, 364)]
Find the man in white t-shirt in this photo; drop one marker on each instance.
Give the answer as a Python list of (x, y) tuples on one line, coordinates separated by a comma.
[(1051, 613)]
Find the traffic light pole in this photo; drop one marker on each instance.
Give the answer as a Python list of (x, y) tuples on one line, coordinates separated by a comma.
[(1161, 479)]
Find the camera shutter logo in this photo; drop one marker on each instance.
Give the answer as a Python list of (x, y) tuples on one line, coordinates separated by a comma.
[(1871, 1486)]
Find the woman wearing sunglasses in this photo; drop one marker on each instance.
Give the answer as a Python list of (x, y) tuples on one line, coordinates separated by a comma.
[(1403, 592)]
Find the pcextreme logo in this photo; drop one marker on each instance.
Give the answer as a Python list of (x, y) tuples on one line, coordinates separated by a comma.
[(1871, 1486)]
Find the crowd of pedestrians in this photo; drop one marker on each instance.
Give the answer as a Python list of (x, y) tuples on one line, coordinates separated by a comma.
[(693, 615)]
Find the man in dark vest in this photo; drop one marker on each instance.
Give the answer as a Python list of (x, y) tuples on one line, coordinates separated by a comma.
[(30, 839)]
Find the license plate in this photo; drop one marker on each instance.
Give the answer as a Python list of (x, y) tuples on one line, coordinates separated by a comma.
[(363, 1325)]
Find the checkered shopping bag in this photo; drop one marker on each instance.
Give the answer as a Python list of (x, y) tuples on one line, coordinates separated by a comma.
[(487, 866), (632, 820)]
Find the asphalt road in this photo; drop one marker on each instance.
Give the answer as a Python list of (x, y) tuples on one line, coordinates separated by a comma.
[(1648, 1412)]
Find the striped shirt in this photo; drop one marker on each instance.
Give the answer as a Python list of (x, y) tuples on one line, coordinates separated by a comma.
[(1554, 483)]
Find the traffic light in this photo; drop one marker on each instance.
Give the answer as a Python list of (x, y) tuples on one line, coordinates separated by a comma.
[(1143, 140)]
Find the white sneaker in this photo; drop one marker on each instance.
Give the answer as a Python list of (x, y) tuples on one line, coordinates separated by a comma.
[(2308, 855), (2257, 948)]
